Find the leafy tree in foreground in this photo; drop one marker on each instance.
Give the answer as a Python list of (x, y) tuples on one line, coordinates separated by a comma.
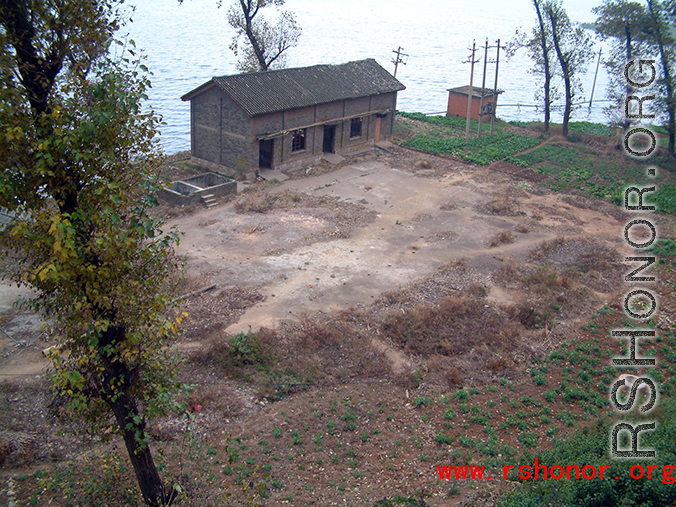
[(266, 44), (77, 157)]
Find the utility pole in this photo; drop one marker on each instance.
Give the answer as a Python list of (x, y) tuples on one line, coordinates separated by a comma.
[(495, 86), (483, 87), (595, 76), (469, 96), (398, 59)]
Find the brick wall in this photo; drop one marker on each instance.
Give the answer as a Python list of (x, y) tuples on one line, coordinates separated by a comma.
[(457, 105), (223, 134), (220, 130)]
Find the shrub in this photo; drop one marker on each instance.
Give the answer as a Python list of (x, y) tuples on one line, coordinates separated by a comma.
[(461, 395), (442, 438), (421, 401), (241, 349)]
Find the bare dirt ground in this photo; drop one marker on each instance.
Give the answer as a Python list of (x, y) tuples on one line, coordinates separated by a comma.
[(350, 235), (423, 219), (345, 269)]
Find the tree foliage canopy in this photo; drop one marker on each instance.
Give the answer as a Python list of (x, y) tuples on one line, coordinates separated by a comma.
[(79, 159), (265, 45), (626, 25), (640, 31)]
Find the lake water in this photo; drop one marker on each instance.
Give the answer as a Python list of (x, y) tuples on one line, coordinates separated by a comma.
[(187, 44)]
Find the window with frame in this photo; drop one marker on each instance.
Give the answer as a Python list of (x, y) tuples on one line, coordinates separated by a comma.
[(355, 127), (298, 142)]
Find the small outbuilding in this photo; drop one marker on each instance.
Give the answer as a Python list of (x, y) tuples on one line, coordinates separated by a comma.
[(457, 101), (283, 119)]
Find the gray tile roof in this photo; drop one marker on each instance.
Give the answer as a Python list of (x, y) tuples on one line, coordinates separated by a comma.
[(278, 90)]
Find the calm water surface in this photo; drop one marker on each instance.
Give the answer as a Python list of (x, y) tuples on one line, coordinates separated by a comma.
[(186, 44)]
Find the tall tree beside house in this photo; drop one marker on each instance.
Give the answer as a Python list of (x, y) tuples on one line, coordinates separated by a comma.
[(573, 48), (626, 25), (78, 157), (662, 40), (538, 45), (265, 45)]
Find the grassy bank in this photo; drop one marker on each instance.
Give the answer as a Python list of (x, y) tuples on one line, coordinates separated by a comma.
[(589, 162)]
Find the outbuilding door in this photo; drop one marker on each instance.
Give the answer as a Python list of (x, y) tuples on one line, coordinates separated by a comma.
[(329, 138), (265, 150)]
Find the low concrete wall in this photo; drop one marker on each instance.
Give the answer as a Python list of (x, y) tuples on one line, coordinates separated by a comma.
[(191, 190), (222, 169)]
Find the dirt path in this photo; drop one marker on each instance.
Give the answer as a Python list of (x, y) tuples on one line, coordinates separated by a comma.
[(21, 336)]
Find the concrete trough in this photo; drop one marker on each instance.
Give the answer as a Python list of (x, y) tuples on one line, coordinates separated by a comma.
[(192, 190)]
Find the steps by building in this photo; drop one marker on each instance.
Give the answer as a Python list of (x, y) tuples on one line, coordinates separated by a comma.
[(333, 158), (209, 200), (270, 175)]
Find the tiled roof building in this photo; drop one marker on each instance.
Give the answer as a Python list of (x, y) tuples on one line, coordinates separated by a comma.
[(285, 118)]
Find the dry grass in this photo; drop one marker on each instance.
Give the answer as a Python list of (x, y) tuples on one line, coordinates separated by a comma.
[(453, 327), (546, 247), (510, 267), (501, 238), (255, 202), (598, 257), (317, 349), (504, 203), (546, 279), (212, 311)]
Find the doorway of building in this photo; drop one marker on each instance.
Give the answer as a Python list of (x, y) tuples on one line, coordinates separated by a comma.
[(265, 150), (329, 138)]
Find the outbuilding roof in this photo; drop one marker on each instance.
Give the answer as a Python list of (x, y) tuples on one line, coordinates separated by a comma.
[(477, 92), (278, 90)]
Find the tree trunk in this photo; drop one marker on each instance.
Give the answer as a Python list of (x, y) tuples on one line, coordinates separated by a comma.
[(123, 404), (133, 429), (545, 63), (628, 54), (248, 29), (565, 69), (671, 99), (37, 74), (547, 101), (668, 78), (568, 106)]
